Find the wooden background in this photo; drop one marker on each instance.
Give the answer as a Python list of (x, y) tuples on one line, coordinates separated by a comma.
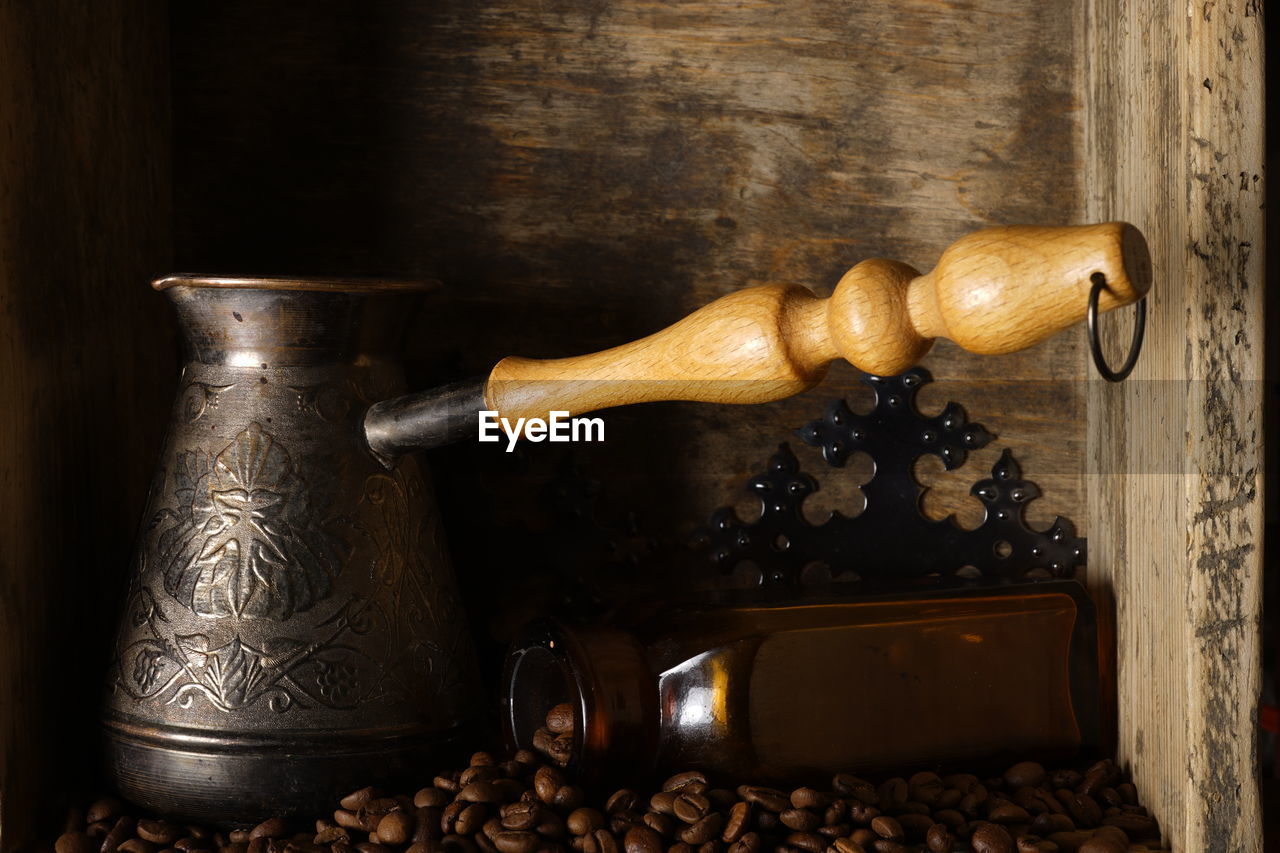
[(579, 174), (86, 368), (1174, 136)]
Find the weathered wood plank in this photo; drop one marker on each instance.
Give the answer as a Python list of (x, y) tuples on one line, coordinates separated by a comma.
[(580, 174), (84, 367), (1174, 143)]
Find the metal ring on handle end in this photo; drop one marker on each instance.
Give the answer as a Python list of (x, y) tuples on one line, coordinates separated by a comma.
[(1095, 344)]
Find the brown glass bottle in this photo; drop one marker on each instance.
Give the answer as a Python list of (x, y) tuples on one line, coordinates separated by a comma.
[(938, 675)]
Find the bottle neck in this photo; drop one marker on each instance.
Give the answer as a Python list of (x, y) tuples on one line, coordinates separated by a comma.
[(603, 674)]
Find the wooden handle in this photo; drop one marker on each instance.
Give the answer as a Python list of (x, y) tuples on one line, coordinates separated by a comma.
[(994, 291)]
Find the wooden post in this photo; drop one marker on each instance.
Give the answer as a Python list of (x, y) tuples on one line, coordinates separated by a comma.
[(1174, 143), (85, 363)]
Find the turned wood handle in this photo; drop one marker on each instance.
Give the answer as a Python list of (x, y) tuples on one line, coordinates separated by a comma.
[(994, 291)]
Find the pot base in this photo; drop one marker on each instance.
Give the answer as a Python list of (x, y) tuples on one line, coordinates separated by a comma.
[(236, 782)]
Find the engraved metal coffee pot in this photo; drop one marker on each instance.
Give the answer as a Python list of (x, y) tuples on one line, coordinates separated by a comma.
[(293, 630)]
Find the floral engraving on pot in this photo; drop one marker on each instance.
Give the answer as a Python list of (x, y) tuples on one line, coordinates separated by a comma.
[(200, 397), (243, 541), (236, 674)]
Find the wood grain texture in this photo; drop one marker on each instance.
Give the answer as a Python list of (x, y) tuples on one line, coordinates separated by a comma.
[(85, 368), (1174, 133), (996, 291), (579, 174)]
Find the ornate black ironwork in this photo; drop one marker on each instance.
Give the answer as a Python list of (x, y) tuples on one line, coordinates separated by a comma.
[(890, 537)]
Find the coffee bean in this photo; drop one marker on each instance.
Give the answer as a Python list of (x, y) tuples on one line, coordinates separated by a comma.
[(769, 799), (1027, 774), (137, 845), (1049, 823), (663, 802), (470, 819), (864, 836), (552, 826), (521, 815), (1106, 842), (1082, 808), (702, 831), (1035, 844), (271, 828), (584, 820), (800, 820), (458, 844), (925, 787), (662, 824), (480, 792), (546, 782), (1006, 812), (492, 827), (991, 838), (810, 841), (395, 828), (605, 842), (568, 797), (621, 799), (74, 842), (884, 845), (848, 845), (479, 773), (515, 841), (948, 799), (835, 813), (939, 839), (356, 799), (331, 834), (560, 718), (690, 808), (738, 822), (892, 793), (950, 818), (750, 843), (239, 836), (642, 839), (107, 808), (681, 847), (914, 825), (159, 831), (1136, 826), (853, 786), (561, 749), (887, 827), (425, 847), (683, 781), (117, 835), (189, 844)]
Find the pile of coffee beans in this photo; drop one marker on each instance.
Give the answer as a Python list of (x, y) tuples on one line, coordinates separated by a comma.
[(526, 805)]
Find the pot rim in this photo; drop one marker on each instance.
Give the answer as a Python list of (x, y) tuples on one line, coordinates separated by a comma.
[(309, 283)]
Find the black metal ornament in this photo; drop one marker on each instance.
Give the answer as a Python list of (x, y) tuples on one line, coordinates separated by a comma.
[(890, 537)]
